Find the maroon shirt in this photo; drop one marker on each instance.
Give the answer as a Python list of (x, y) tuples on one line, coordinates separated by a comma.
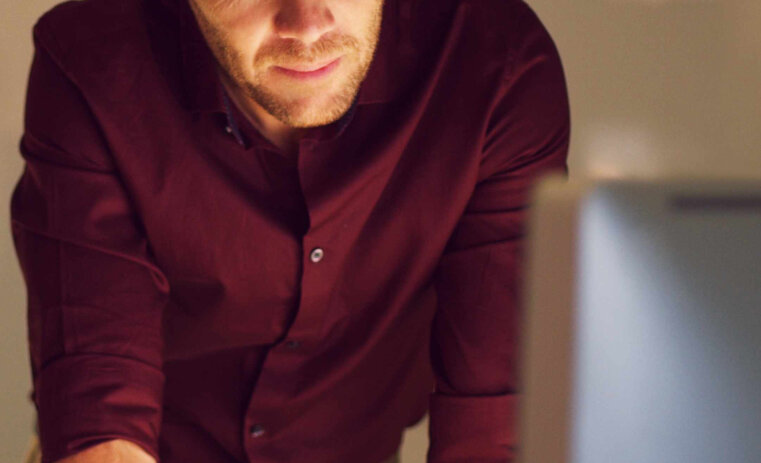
[(196, 290)]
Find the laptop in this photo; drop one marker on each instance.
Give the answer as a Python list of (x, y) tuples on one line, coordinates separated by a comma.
[(641, 339)]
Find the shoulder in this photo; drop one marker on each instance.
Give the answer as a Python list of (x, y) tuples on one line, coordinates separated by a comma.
[(76, 23), (94, 38), (503, 18), (511, 29)]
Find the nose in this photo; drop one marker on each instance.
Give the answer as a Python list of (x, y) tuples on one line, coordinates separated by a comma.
[(304, 20)]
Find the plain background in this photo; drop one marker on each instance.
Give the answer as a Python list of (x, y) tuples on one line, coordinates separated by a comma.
[(657, 87)]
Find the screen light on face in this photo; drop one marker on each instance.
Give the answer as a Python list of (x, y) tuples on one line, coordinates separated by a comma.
[(301, 67)]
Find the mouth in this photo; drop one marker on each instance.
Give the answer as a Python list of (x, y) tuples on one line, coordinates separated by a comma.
[(309, 71)]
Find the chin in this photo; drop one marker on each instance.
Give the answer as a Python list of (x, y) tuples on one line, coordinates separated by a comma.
[(310, 117), (314, 111)]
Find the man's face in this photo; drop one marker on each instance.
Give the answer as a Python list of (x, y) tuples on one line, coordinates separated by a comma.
[(253, 39)]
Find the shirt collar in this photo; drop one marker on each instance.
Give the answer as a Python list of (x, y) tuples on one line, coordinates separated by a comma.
[(203, 88)]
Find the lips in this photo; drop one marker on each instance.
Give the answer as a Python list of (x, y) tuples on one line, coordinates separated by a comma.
[(308, 67), (316, 71)]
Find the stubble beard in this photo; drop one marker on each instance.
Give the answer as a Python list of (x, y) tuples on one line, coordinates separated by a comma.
[(290, 111)]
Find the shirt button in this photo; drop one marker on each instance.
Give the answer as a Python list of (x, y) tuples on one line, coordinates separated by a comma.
[(256, 430), (316, 254), (228, 129), (292, 344)]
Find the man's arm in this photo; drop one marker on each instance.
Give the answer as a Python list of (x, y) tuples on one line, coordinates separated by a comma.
[(94, 294), (113, 451), (475, 331)]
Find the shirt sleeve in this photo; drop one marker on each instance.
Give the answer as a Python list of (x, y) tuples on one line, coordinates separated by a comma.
[(475, 331), (94, 294)]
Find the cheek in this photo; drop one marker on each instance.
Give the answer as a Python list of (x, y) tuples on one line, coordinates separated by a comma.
[(246, 17), (244, 21), (246, 45), (355, 20)]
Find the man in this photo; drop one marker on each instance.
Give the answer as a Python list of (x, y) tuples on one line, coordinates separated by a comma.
[(281, 231)]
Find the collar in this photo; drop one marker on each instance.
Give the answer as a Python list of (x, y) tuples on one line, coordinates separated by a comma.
[(203, 88)]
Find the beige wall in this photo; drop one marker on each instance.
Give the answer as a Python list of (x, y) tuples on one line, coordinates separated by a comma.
[(16, 423), (661, 86), (657, 86)]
